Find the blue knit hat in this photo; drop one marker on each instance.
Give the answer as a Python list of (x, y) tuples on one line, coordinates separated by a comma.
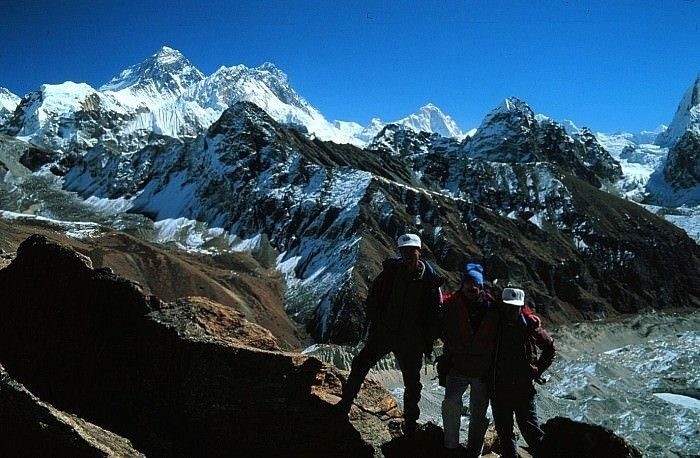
[(475, 272)]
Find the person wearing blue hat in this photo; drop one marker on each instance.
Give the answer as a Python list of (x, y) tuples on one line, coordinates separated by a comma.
[(470, 329), (469, 336)]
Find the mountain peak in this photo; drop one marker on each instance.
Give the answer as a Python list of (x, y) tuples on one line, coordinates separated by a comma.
[(8, 100), (429, 118), (166, 73), (274, 70), (687, 117), (515, 105), (506, 134), (167, 55)]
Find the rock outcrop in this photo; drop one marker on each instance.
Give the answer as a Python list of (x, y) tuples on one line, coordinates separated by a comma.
[(682, 168), (31, 427), (572, 439), (182, 378)]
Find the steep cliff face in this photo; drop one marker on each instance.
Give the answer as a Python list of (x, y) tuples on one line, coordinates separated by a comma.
[(682, 167), (686, 118)]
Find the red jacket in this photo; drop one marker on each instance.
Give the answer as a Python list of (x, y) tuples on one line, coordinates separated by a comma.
[(471, 350)]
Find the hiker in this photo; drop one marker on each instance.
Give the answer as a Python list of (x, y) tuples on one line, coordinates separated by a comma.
[(516, 366), (470, 326), (403, 306)]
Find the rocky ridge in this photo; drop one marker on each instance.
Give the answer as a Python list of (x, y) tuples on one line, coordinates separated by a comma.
[(328, 213)]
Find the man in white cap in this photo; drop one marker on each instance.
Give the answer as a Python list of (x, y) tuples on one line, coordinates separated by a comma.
[(403, 307), (516, 366)]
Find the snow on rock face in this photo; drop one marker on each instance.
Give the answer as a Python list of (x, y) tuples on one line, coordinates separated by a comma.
[(65, 115), (682, 167), (164, 94), (430, 118), (255, 181), (268, 88), (507, 134), (687, 117), (162, 77), (168, 95), (8, 103)]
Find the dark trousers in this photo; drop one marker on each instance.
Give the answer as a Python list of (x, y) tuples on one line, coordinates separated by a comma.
[(410, 361), (521, 402)]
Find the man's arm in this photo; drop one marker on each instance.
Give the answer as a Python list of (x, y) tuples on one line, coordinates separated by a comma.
[(533, 320), (546, 344), (374, 296)]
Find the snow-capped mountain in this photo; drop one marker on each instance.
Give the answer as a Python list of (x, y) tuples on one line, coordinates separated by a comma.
[(8, 103), (506, 134), (165, 95), (364, 134), (512, 133), (162, 77), (268, 88), (323, 208), (235, 157), (68, 115), (687, 117), (665, 179), (430, 118)]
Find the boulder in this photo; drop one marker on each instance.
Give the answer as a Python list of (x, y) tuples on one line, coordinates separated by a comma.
[(30, 427), (573, 439), (187, 377)]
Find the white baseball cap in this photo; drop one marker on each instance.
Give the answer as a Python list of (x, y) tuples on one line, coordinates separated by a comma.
[(514, 296), (409, 240)]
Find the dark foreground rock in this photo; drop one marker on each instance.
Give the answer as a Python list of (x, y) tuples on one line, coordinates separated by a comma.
[(31, 427), (162, 374), (569, 438)]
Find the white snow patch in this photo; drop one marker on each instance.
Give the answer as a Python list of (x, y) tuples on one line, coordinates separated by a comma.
[(679, 399), (73, 229), (111, 206)]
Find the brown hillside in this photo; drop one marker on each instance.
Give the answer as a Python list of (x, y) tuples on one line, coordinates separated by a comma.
[(236, 280)]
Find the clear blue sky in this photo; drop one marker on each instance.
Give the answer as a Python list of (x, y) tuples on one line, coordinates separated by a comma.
[(610, 65)]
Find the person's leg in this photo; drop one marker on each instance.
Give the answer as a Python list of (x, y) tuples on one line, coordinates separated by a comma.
[(478, 423), (452, 407), (528, 423), (370, 354), (410, 363), (502, 409)]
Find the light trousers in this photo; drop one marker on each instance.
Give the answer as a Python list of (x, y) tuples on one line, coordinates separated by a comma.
[(457, 384)]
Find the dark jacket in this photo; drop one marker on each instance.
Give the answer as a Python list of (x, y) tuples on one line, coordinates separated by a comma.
[(405, 308), (523, 353), (469, 332)]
